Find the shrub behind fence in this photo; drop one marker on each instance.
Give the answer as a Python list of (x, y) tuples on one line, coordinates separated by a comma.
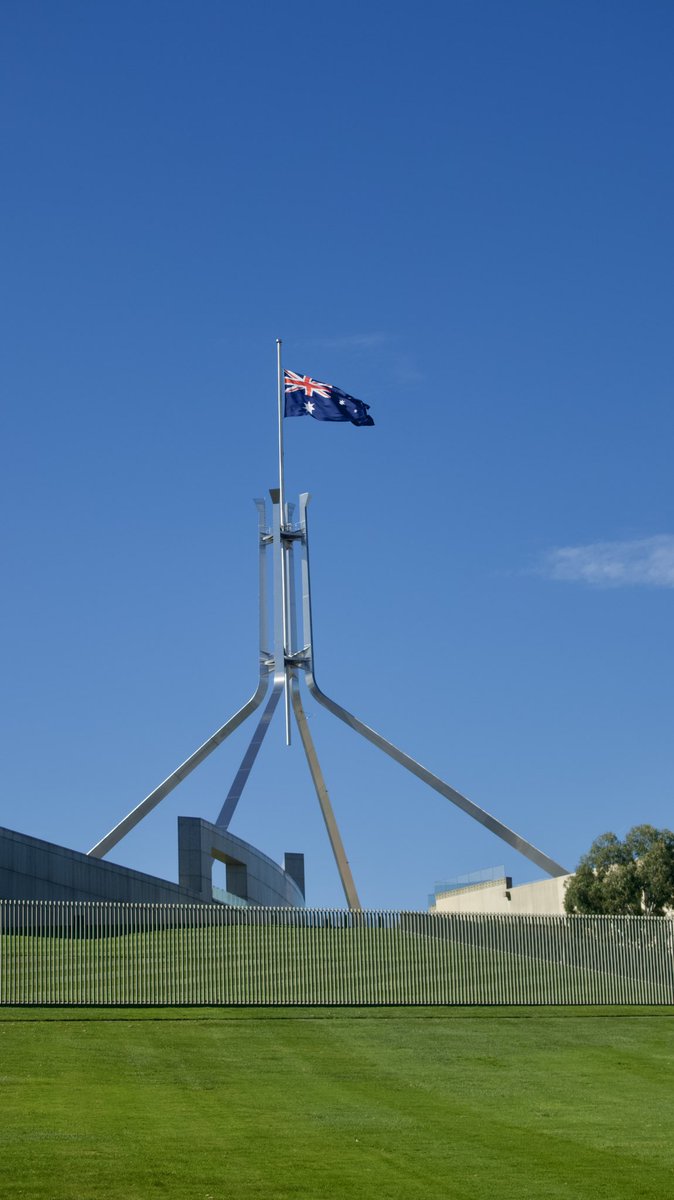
[(70, 953)]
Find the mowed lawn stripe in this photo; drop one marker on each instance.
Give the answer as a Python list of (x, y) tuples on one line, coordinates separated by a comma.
[(413, 1104)]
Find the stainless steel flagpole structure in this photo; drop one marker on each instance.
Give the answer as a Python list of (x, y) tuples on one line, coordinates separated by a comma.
[(283, 665)]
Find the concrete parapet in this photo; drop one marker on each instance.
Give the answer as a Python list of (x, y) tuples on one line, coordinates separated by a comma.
[(251, 875)]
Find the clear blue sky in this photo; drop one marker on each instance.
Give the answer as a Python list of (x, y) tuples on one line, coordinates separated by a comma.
[(459, 212)]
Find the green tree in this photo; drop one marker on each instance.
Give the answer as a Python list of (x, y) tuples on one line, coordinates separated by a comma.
[(632, 877)]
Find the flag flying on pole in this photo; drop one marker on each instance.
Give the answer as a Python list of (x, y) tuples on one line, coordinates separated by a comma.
[(305, 396)]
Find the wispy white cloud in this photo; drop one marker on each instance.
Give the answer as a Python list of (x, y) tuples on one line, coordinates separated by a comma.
[(352, 341), (400, 366), (644, 561)]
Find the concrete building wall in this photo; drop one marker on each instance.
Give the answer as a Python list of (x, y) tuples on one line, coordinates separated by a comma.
[(32, 869), (545, 897)]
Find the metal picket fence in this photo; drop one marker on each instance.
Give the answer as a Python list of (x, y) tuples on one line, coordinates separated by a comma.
[(72, 953)]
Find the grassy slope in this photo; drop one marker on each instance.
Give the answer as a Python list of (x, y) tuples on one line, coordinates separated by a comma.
[(277, 965), (404, 1104)]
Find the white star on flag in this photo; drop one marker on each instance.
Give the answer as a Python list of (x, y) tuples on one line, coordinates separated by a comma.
[(307, 397)]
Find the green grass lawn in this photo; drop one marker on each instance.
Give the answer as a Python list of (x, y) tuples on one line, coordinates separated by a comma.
[(392, 1104)]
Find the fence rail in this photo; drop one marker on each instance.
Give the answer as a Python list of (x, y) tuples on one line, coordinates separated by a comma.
[(75, 953)]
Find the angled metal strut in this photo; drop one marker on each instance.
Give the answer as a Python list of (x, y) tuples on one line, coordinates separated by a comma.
[(278, 663), (141, 810), (478, 814), (283, 667)]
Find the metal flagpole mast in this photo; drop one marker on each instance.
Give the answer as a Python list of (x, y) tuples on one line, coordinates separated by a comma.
[(279, 396), (280, 549)]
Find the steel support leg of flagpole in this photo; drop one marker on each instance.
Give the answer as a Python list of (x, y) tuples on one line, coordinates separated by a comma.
[(141, 810), (285, 641), (307, 741), (282, 632), (473, 810), (324, 800), (241, 778), (280, 594)]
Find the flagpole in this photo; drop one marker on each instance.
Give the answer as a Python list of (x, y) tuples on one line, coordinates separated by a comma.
[(281, 478), (282, 515)]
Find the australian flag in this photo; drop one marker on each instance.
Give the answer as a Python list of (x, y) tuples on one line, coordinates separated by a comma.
[(307, 397)]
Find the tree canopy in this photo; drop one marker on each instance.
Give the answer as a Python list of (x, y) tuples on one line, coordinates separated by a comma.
[(633, 877)]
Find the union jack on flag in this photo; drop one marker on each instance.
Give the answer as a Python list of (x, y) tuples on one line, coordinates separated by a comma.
[(305, 396)]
